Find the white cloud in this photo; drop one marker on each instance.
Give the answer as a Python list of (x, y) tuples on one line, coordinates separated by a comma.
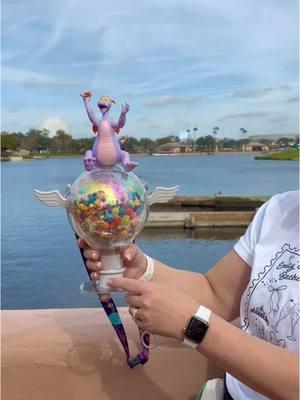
[(249, 114), (30, 78), (260, 92), (53, 124), (170, 100)]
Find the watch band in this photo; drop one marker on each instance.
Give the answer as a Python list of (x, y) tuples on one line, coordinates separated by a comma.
[(149, 270), (204, 314)]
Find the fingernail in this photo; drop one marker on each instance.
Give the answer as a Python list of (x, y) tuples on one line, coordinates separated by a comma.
[(98, 265), (94, 255), (128, 257), (109, 282)]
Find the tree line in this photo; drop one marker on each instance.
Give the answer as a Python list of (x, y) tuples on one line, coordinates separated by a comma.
[(39, 142)]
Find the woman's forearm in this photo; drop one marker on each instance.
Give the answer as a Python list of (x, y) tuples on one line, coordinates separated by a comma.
[(264, 367), (220, 289), (193, 283)]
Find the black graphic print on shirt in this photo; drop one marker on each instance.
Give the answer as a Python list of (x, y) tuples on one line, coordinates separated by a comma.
[(272, 307)]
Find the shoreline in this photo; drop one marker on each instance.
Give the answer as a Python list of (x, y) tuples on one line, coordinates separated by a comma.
[(258, 155), (193, 154)]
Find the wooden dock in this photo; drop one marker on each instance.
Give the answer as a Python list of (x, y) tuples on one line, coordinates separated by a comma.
[(191, 212)]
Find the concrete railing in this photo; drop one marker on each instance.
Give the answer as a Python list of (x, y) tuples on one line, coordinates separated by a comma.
[(73, 354)]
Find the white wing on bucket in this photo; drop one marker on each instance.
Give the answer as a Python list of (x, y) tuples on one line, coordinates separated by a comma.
[(162, 194), (51, 199)]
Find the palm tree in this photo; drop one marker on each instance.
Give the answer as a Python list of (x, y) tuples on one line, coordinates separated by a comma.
[(191, 137), (243, 132), (215, 132), (194, 137)]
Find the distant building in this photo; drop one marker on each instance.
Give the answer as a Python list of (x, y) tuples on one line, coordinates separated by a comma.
[(273, 137), (274, 147), (174, 148), (18, 153), (256, 146), (23, 152)]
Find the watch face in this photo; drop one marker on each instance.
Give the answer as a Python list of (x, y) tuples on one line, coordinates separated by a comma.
[(196, 329)]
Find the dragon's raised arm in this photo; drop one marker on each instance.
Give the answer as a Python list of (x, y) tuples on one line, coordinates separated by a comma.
[(122, 119), (87, 102)]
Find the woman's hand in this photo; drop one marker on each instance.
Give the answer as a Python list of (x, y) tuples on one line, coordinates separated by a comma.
[(162, 309), (134, 261)]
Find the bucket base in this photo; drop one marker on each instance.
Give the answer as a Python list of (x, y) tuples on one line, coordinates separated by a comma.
[(92, 289)]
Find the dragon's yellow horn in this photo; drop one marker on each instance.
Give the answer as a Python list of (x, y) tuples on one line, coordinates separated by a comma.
[(107, 99)]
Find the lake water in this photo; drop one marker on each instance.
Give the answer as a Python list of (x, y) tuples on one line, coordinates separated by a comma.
[(41, 265)]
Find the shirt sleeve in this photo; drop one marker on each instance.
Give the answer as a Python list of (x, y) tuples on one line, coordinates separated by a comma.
[(246, 244)]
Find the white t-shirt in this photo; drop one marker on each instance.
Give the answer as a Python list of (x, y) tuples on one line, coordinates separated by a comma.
[(270, 305)]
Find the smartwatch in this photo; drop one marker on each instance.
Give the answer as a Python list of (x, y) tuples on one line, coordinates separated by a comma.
[(196, 328)]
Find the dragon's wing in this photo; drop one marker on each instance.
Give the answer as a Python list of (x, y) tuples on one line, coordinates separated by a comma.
[(162, 194), (51, 199)]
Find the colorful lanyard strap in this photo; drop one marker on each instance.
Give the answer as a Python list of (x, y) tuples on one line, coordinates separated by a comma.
[(114, 318)]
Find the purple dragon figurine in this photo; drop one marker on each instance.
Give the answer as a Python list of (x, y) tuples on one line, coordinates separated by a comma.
[(106, 151)]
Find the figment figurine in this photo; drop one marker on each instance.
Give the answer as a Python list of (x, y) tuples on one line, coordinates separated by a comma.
[(106, 151), (108, 206)]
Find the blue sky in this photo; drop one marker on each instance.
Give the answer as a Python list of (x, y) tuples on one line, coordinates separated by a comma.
[(179, 64)]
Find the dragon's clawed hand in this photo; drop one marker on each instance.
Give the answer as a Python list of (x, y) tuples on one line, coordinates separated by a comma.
[(86, 95), (125, 108)]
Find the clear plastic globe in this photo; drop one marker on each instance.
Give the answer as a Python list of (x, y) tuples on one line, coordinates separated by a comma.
[(107, 207)]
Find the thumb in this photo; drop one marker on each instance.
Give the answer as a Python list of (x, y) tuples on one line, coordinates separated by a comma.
[(133, 257)]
